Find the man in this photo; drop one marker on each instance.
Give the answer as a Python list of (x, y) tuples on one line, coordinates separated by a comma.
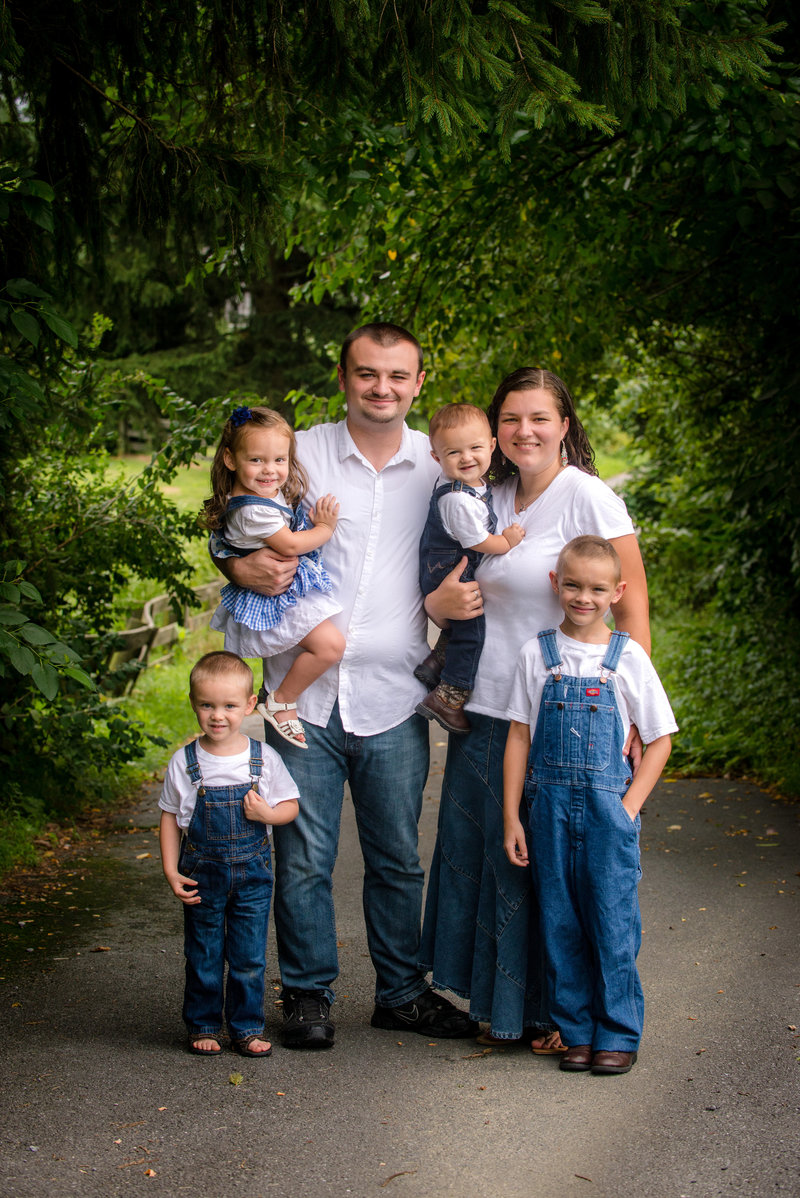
[(359, 717)]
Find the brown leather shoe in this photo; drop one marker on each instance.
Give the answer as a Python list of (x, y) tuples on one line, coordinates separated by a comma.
[(577, 1059), (613, 1062), (446, 708)]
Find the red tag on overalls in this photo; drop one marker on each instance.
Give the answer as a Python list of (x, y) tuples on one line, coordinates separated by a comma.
[(593, 690)]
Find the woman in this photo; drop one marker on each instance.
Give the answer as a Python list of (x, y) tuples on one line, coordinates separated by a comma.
[(480, 937)]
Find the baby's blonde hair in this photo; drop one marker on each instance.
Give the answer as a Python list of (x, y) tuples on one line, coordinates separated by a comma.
[(453, 415)]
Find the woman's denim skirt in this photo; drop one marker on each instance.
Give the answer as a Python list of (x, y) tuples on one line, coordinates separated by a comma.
[(481, 932)]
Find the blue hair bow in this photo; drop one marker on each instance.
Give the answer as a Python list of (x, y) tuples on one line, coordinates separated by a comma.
[(240, 416)]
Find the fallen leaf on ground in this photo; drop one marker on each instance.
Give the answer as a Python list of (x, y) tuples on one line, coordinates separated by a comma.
[(236, 1079)]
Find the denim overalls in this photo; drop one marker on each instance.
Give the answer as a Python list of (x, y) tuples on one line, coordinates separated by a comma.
[(439, 553), (585, 856), (228, 856)]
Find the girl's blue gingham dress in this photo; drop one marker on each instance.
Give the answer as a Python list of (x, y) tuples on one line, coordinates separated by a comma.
[(264, 613)]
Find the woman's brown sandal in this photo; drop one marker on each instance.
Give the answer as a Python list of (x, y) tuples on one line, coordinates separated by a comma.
[(196, 1038), (243, 1046)]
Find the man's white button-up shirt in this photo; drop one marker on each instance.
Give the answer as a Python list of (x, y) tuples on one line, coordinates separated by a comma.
[(373, 561)]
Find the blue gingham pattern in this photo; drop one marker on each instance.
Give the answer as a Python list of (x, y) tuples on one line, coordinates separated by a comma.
[(262, 612)]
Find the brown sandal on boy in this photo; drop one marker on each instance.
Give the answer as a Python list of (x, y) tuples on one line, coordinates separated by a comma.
[(243, 1046), (196, 1038)]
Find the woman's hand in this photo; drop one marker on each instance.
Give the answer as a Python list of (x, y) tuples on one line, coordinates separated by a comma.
[(634, 748), (264, 571), (454, 599)]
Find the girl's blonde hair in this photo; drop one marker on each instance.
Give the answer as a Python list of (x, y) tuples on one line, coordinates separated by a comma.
[(222, 478)]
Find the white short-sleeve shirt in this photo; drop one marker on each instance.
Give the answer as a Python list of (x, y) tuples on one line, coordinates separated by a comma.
[(373, 561), (465, 517), (178, 793), (518, 599), (641, 698), (249, 526)]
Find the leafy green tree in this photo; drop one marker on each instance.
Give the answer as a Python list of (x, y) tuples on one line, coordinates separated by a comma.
[(209, 132), (654, 266)]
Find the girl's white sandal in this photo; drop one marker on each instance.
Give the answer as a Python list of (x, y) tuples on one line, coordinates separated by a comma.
[(290, 730)]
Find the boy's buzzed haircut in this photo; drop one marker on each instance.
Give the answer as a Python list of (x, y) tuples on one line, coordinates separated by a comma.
[(590, 546), (455, 414), (218, 664)]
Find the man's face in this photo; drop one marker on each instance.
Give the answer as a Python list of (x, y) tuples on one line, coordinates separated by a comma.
[(381, 382)]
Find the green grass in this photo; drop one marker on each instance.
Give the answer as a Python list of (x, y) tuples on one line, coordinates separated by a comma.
[(17, 833), (188, 490)]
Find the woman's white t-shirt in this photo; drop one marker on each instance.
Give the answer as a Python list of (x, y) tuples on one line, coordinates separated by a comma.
[(518, 599)]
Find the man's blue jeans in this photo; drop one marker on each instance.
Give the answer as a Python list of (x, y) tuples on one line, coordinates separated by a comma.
[(386, 774)]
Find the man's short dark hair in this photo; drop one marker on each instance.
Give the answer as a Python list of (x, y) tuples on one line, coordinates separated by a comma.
[(382, 333)]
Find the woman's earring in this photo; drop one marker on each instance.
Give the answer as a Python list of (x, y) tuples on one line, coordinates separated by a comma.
[(564, 457), (503, 460)]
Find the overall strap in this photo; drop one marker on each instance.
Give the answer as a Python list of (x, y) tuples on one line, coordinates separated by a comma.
[(549, 648), (454, 487), (487, 499), (192, 764), (256, 501), (299, 521), (614, 652), (256, 760)]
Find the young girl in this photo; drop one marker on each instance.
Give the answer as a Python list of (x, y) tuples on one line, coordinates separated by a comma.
[(257, 486)]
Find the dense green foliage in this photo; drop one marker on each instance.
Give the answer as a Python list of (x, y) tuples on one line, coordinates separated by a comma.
[(606, 187), (656, 269)]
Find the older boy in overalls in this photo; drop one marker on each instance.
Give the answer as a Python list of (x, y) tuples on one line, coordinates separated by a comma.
[(579, 690)]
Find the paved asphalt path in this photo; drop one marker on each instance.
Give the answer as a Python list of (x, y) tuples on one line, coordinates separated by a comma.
[(101, 1098)]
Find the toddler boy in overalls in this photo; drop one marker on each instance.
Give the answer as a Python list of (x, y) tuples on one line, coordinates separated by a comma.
[(221, 794), (575, 694), (461, 523)]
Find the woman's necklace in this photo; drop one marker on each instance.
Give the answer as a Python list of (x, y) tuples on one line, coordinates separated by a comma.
[(522, 506)]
